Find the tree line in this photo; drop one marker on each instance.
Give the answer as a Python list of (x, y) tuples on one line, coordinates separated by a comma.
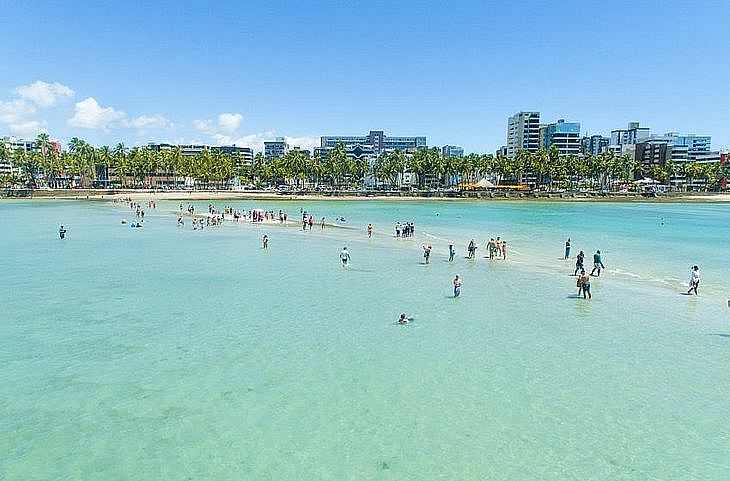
[(135, 167)]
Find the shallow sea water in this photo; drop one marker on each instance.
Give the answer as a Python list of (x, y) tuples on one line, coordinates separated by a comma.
[(167, 353)]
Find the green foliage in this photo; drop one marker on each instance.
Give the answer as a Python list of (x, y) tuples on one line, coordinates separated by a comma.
[(145, 167)]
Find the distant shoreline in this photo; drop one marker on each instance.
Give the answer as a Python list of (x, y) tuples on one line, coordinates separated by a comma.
[(185, 195)]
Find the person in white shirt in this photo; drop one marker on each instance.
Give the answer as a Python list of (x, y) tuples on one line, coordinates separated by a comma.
[(344, 256), (694, 279)]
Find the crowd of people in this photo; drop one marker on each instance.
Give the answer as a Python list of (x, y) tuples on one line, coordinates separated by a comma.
[(405, 229), (496, 247)]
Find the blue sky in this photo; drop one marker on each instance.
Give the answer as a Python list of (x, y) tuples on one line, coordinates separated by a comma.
[(242, 72)]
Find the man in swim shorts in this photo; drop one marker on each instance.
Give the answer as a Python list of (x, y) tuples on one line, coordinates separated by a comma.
[(567, 249), (452, 252), (597, 263), (585, 282), (427, 253)]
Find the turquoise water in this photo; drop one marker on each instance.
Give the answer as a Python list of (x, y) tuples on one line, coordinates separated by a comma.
[(168, 353)]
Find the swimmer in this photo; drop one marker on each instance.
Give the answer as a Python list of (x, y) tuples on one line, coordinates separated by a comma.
[(567, 249), (457, 286), (344, 256), (62, 233), (265, 241), (404, 320), (370, 231), (124, 221), (452, 252)]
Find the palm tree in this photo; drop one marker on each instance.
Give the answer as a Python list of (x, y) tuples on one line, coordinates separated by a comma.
[(257, 168), (104, 159), (82, 159), (4, 153), (121, 162), (47, 151), (415, 164), (522, 165), (337, 162)]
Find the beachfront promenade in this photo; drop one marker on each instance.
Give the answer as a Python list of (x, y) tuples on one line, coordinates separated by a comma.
[(200, 194)]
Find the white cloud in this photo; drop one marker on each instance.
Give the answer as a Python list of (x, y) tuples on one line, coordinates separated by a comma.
[(89, 114), (228, 123), (306, 142), (203, 125), (28, 129), (44, 94), (256, 140), (15, 111), (145, 122)]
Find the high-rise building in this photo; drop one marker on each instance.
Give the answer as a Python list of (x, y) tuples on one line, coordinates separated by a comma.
[(565, 136), (523, 132), (375, 139), (12, 144), (275, 148), (242, 155), (696, 145), (631, 135), (452, 151), (653, 150), (594, 144)]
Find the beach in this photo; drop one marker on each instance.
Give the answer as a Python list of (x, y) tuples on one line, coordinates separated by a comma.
[(165, 352)]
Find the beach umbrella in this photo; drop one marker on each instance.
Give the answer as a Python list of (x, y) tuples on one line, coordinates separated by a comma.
[(484, 183)]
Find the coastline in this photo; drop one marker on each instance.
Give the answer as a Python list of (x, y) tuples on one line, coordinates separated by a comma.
[(185, 195)]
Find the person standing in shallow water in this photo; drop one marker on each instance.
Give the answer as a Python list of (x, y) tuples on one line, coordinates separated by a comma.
[(370, 231), (457, 286), (62, 232), (427, 254), (344, 256), (585, 282), (597, 263), (694, 280), (265, 241), (452, 252), (578, 262), (567, 249)]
